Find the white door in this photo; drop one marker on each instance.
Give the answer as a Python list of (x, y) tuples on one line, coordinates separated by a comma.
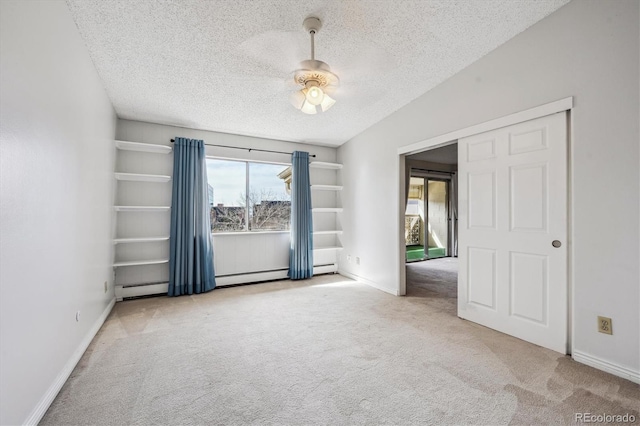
[(513, 230)]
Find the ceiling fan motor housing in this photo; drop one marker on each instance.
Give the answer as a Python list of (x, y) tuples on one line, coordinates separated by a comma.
[(317, 71), (312, 24)]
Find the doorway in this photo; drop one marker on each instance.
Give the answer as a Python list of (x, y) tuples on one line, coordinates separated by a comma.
[(430, 216), (432, 213)]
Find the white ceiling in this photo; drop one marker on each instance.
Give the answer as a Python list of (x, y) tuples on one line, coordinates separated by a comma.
[(224, 65)]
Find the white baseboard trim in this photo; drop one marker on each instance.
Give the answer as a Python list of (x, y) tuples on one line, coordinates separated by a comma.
[(367, 282), (254, 277), (124, 291), (46, 400), (609, 367), (251, 277)]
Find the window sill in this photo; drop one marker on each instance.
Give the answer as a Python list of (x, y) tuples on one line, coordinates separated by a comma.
[(248, 233)]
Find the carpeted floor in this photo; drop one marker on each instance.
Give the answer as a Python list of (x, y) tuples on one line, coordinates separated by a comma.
[(436, 281), (324, 351)]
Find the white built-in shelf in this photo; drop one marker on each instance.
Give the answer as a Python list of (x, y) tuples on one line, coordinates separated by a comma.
[(323, 165), (139, 240), (141, 208), (327, 210), (143, 147), (142, 178), (140, 262), (336, 232), (326, 187), (327, 248)]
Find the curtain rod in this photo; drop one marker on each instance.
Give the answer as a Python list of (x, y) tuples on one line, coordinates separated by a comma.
[(250, 149)]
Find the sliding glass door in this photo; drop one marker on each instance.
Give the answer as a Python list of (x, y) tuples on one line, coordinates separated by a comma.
[(437, 229), (428, 218)]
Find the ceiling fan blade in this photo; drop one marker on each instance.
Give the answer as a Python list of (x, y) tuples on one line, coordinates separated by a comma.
[(278, 51), (363, 60)]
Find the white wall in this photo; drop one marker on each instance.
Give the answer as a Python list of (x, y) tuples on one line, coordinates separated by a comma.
[(236, 253), (139, 131), (56, 186), (587, 49)]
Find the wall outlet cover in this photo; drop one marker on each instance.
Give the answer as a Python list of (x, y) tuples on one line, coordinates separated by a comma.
[(605, 325)]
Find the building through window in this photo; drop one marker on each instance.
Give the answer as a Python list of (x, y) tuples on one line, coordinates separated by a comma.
[(247, 196)]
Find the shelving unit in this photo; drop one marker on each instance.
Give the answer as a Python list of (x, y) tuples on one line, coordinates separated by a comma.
[(327, 210), (326, 187), (333, 232), (139, 240), (324, 165), (326, 198), (137, 177), (141, 208), (143, 147), (141, 260)]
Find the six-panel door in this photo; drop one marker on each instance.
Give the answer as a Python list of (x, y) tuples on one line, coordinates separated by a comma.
[(513, 206)]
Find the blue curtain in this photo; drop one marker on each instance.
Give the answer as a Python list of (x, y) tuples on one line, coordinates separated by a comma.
[(191, 256), (301, 252)]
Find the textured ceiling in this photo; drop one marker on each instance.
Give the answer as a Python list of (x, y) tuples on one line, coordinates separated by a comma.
[(224, 65)]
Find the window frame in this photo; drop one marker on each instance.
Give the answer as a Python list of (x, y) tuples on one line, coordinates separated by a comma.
[(246, 230)]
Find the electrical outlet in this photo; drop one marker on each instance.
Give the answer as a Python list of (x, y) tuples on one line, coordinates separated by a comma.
[(357, 260), (349, 258), (605, 325), (78, 316), (106, 286)]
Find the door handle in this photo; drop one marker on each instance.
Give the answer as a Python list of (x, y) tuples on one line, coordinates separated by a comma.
[(556, 243)]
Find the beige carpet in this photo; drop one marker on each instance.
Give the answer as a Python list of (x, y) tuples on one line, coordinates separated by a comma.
[(324, 351), (434, 279)]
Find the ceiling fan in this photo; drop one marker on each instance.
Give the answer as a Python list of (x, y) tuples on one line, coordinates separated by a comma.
[(314, 79)]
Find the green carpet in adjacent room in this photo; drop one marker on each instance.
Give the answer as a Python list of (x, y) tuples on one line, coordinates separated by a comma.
[(417, 252), (436, 252)]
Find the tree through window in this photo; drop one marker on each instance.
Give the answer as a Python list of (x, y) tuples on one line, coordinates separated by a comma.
[(247, 196)]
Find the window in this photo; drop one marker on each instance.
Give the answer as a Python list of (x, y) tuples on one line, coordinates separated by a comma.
[(247, 196), (269, 202), (227, 186)]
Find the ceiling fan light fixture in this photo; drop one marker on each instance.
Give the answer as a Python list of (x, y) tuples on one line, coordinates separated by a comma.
[(308, 108), (315, 77), (298, 98), (327, 102), (314, 94)]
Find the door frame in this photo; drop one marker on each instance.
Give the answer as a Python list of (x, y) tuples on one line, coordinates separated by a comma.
[(565, 104)]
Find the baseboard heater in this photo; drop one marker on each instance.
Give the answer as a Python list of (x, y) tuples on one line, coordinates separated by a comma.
[(132, 291)]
